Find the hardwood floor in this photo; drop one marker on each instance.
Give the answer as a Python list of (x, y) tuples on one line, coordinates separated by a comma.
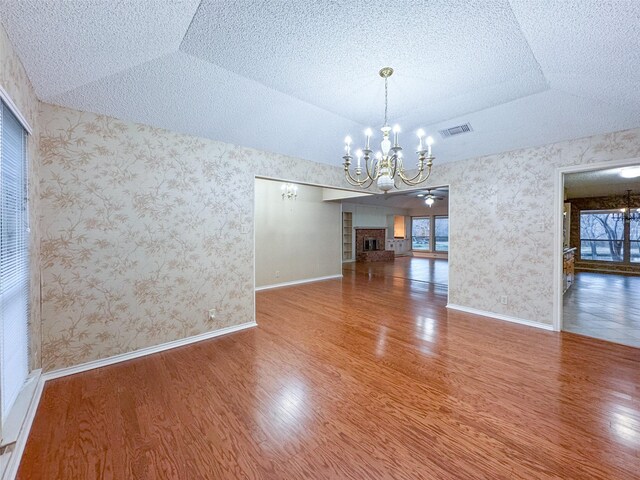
[(604, 305), (432, 270), (365, 378)]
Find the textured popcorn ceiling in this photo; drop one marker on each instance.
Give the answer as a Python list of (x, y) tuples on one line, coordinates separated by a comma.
[(295, 77)]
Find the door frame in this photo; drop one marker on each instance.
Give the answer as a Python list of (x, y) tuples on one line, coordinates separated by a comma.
[(558, 208)]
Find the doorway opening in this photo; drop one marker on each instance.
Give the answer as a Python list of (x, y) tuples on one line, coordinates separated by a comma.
[(600, 276), (402, 234)]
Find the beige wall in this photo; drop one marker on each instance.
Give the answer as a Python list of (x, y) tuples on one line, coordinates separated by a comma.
[(296, 239), (15, 82), (501, 229), (145, 230)]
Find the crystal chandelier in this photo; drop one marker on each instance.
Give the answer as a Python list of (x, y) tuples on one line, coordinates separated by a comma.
[(386, 166)]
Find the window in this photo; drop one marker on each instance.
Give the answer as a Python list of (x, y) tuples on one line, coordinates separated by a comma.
[(602, 235), (421, 233), (14, 260), (634, 240), (442, 234), (430, 234)]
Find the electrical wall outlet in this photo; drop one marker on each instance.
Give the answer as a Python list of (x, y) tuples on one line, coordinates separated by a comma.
[(504, 300), (277, 274), (212, 314)]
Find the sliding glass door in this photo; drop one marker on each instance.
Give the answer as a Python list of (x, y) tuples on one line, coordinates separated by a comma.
[(430, 233), (421, 233)]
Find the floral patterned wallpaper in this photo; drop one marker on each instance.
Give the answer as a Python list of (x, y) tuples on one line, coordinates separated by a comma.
[(501, 222), (144, 231), (14, 80)]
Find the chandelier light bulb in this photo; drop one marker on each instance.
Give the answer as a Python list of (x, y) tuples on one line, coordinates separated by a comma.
[(396, 131), (429, 201), (347, 140), (420, 133), (429, 141), (378, 155), (359, 157), (368, 134)]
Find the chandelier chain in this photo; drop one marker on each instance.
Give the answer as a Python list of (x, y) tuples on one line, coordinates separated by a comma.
[(386, 102)]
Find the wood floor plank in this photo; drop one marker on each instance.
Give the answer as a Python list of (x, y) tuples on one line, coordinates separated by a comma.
[(366, 377)]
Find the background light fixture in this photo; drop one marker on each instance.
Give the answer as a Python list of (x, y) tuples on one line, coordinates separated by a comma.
[(289, 190), (628, 213)]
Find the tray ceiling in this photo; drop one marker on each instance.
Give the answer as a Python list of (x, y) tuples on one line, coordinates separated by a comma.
[(295, 77)]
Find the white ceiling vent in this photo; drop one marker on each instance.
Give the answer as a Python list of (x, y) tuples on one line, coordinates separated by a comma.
[(457, 130)]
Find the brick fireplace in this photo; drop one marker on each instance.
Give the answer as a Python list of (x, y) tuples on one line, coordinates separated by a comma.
[(370, 245)]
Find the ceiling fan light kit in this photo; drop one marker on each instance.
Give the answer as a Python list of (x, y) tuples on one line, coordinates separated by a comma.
[(385, 167)]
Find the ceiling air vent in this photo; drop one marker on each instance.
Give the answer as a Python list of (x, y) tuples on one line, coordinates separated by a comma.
[(457, 130)]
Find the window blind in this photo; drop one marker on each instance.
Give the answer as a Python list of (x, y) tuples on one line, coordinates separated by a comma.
[(14, 260)]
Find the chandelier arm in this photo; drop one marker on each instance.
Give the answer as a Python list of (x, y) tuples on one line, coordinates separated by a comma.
[(417, 179), (396, 160), (372, 168), (356, 182)]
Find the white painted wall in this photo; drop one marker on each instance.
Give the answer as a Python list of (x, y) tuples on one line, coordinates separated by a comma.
[(301, 239)]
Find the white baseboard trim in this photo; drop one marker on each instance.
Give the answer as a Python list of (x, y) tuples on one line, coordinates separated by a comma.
[(499, 316), (298, 282), (18, 449), (123, 357), (12, 425), (16, 455)]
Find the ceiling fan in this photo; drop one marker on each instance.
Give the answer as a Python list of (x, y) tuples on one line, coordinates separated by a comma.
[(430, 198)]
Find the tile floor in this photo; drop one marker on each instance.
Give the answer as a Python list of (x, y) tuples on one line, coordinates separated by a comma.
[(605, 306)]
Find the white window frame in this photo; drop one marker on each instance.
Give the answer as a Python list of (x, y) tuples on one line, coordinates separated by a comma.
[(12, 412)]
